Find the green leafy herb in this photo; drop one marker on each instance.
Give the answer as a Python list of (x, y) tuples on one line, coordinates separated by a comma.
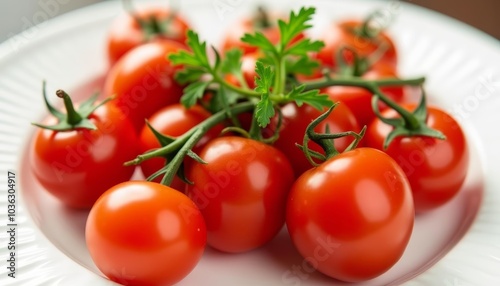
[(296, 25), (193, 92), (263, 82), (310, 97)]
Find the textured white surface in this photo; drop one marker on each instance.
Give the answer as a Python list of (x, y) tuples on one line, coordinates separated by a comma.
[(68, 52)]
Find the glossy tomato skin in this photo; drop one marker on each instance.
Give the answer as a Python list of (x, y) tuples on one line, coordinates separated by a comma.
[(173, 120), (126, 33), (435, 168), (341, 34), (241, 192), (294, 124), (352, 216), (78, 166), (144, 233), (143, 81), (359, 99)]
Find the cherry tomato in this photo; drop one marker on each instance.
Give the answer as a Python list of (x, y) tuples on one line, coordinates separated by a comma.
[(435, 168), (143, 81), (345, 34), (173, 120), (359, 99), (130, 30), (241, 192), (294, 123), (77, 166), (352, 216), (144, 233)]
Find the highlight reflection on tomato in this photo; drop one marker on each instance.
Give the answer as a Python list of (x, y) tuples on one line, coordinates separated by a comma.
[(435, 168), (241, 192), (359, 204), (144, 233)]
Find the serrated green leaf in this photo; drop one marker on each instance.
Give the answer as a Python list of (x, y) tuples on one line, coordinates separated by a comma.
[(303, 47), (264, 79), (232, 61), (296, 24), (193, 92), (196, 57), (260, 41), (189, 74), (310, 97), (302, 65), (264, 110)]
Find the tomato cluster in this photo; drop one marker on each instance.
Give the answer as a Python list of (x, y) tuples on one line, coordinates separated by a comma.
[(237, 146)]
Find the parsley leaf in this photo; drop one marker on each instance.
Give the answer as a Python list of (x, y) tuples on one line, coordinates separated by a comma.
[(310, 97), (264, 109), (232, 62), (302, 65), (304, 46), (260, 41), (296, 24), (193, 92), (198, 55)]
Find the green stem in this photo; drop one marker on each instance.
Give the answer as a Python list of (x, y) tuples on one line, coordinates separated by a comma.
[(178, 159), (182, 141), (411, 122), (361, 82), (280, 79), (73, 118), (230, 86)]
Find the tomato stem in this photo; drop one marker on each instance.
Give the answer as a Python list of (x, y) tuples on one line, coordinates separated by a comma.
[(326, 140), (73, 118), (182, 145)]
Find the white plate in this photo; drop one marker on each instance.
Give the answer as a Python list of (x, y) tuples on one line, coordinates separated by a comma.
[(456, 245)]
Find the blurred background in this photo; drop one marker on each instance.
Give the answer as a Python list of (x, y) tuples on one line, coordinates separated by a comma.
[(18, 15)]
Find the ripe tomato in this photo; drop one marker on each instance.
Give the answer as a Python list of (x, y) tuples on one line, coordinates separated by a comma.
[(344, 34), (435, 168), (143, 81), (77, 166), (352, 216), (359, 100), (173, 120), (147, 24), (241, 192), (144, 233), (294, 124)]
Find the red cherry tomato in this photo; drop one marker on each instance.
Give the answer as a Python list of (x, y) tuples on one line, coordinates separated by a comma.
[(143, 81), (435, 168), (241, 192), (294, 123), (352, 216), (173, 120), (359, 100), (78, 166), (144, 233), (344, 34), (150, 23)]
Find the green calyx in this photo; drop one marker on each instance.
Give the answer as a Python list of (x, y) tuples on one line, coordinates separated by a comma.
[(72, 119), (409, 123), (152, 26)]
